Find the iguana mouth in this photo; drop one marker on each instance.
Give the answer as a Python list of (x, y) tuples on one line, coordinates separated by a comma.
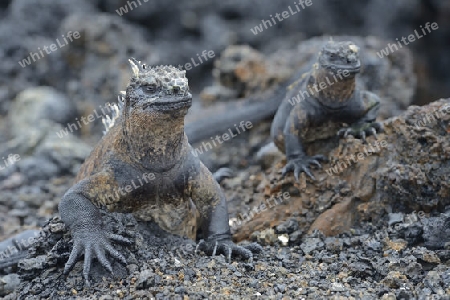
[(173, 104), (352, 69)]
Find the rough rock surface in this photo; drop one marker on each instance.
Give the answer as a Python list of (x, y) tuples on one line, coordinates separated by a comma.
[(23, 31), (46, 148), (32, 186), (407, 172), (241, 71), (367, 263)]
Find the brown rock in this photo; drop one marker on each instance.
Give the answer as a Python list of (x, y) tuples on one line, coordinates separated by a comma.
[(397, 245), (245, 71), (394, 280), (335, 220)]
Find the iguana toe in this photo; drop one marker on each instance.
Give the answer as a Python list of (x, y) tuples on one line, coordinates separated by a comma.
[(301, 164), (228, 249), (361, 130), (94, 243)]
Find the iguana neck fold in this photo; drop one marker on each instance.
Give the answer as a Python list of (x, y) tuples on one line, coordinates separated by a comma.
[(157, 148)]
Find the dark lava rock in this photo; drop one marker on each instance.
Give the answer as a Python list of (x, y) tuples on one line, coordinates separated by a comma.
[(395, 218), (8, 284), (45, 16), (44, 147), (311, 244), (436, 232), (98, 61), (413, 234), (93, 69), (165, 266), (289, 227), (43, 154)]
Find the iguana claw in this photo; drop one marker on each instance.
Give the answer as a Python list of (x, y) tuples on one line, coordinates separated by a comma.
[(227, 248), (301, 164), (361, 130)]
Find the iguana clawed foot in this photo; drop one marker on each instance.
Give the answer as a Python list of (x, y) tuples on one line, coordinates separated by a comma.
[(361, 130), (228, 248), (301, 164), (94, 242)]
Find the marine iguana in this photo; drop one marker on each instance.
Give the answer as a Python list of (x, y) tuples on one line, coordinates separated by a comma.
[(312, 105), (318, 105), (148, 143)]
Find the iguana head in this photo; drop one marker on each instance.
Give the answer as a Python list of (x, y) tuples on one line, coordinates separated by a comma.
[(154, 106), (339, 56), (157, 90), (335, 71)]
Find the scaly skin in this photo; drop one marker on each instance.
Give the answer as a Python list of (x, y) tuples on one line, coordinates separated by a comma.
[(148, 140), (312, 112)]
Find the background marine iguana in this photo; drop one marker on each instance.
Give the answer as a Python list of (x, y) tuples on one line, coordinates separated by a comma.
[(319, 103)]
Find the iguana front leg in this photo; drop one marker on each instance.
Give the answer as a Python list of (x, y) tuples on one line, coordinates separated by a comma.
[(212, 205), (85, 223), (297, 160)]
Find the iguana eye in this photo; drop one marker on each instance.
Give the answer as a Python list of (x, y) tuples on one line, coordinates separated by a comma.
[(176, 89), (149, 89)]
